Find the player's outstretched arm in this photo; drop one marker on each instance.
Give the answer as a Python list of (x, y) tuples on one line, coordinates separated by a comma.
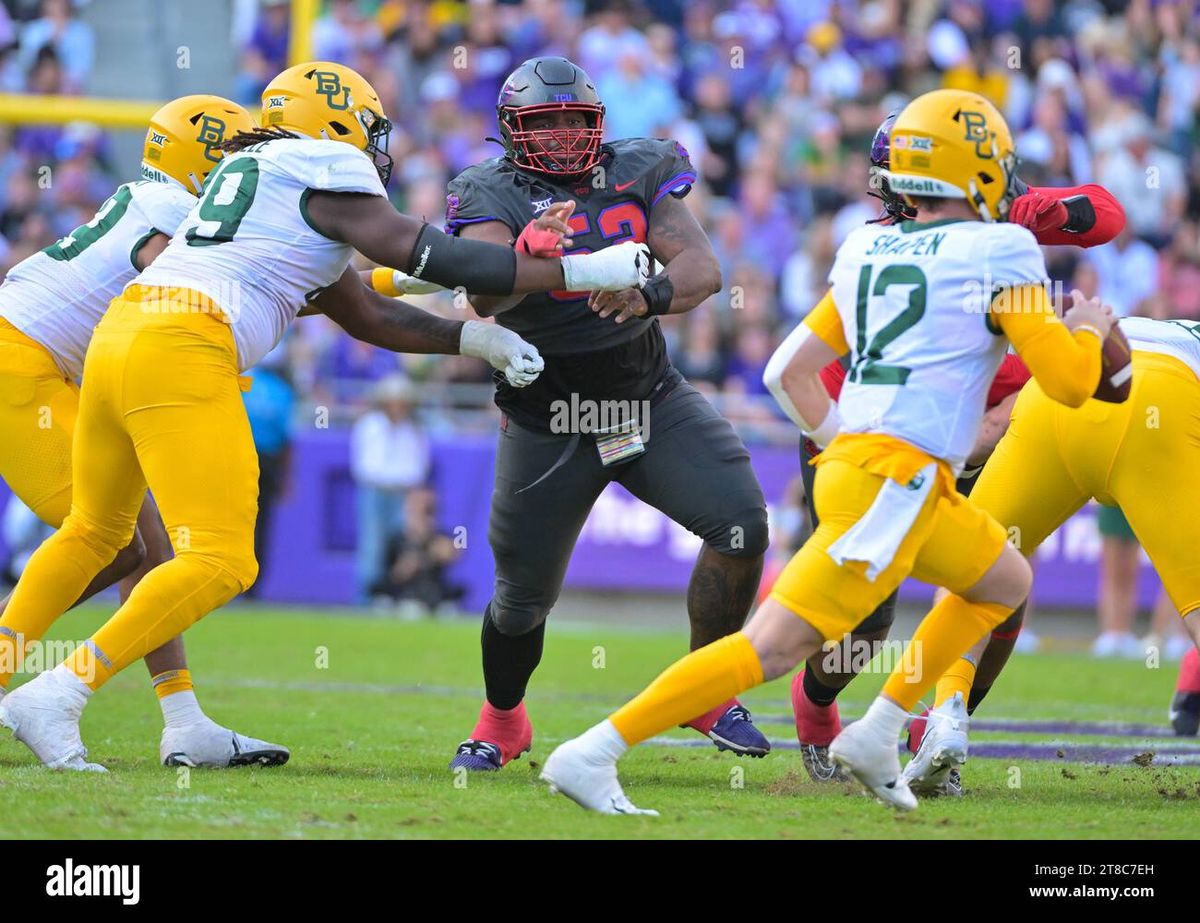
[(793, 373), (1080, 216), (691, 272), (374, 228), (391, 324)]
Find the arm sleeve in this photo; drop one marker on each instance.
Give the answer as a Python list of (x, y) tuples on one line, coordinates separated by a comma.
[(1065, 364), (826, 323), (1108, 217)]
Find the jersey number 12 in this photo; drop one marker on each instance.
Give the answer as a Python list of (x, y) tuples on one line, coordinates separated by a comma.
[(867, 368)]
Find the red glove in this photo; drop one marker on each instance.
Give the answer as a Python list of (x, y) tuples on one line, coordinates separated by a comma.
[(538, 242), (1037, 212)]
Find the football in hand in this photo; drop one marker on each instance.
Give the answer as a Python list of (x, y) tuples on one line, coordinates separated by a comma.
[(1116, 362)]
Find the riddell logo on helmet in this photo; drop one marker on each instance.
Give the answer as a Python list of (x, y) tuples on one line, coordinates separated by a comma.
[(913, 184)]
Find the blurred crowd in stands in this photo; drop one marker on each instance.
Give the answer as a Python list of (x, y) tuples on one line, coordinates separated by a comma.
[(775, 99)]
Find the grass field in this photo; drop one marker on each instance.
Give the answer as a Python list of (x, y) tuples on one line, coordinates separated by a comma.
[(372, 711)]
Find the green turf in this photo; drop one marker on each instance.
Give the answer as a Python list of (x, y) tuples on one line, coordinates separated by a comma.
[(372, 710)]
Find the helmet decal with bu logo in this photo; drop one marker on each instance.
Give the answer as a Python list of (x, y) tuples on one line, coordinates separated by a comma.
[(212, 133), (975, 124), (551, 118), (329, 85)]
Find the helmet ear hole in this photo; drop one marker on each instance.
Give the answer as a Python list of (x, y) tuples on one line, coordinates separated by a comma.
[(985, 178), (340, 128)]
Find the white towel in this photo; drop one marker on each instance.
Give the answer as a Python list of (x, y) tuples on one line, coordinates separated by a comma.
[(877, 536)]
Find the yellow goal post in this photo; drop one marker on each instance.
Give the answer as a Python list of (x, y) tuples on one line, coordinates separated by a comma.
[(26, 109)]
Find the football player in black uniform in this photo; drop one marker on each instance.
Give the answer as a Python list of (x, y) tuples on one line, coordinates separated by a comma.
[(609, 406)]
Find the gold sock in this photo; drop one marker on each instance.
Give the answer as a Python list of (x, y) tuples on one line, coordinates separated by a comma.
[(959, 678), (944, 635), (171, 681), (690, 687)]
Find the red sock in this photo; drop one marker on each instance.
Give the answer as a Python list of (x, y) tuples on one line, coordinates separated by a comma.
[(916, 730), (815, 724), (509, 730), (1189, 672), (705, 722)]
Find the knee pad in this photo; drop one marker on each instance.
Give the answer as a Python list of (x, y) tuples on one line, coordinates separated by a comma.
[(106, 540), (515, 620), (744, 535)]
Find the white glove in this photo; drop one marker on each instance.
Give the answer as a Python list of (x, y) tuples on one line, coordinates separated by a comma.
[(626, 265), (519, 361), (410, 285)]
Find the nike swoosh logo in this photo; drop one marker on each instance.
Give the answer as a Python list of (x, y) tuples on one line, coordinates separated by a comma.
[(621, 187)]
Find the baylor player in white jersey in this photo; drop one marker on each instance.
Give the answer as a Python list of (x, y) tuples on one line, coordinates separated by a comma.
[(161, 406), (892, 281), (923, 347), (58, 295), (50, 303)]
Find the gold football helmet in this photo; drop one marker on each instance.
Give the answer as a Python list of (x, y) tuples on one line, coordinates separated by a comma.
[(183, 142), (325, 100), (954, 144)]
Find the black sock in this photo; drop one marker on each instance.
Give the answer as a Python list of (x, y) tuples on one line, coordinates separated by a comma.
[(817, 691), (976, 696), (508, 662)]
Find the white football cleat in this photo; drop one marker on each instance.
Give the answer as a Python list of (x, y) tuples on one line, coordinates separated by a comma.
[(589, 780), (44, 715), (873, 760), (943, 749), (207, 744)]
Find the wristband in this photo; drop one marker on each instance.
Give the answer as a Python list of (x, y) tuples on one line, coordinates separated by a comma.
[(659, 292), (1081, 215), (383, 280), (1090, 329)]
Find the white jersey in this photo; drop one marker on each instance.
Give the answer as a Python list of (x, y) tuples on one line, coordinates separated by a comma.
[(913, 300), (1177, 338), (58, 295), (248, 244)]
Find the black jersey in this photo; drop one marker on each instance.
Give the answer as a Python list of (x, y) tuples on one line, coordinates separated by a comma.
[(592, 357)]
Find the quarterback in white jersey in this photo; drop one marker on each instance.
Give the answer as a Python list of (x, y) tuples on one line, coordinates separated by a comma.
[(160, 406), (934, 280), (923, 348), (50, 303)]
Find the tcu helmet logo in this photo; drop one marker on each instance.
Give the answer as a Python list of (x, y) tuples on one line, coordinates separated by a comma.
[(975, 124), (329, 85), (212, 133)]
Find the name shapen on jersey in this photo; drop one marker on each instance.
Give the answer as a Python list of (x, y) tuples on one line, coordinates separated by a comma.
[(248, 245), (58, 295), (913, 299)]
